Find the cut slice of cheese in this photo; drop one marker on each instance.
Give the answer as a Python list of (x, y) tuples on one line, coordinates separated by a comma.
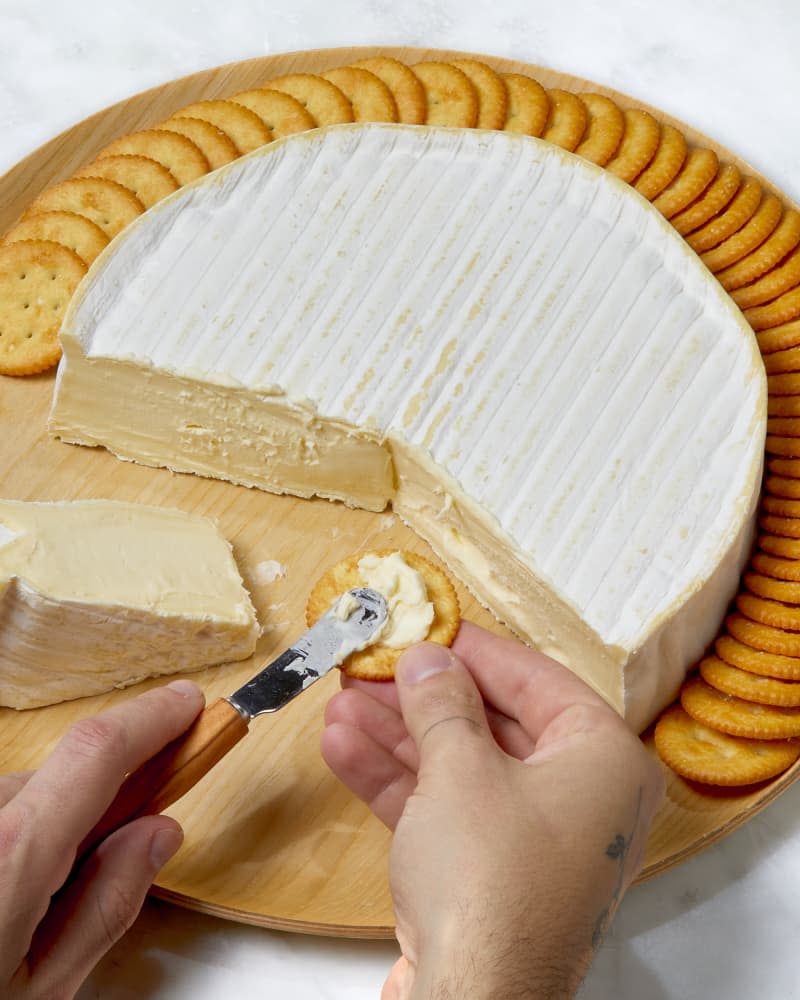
[(505, 343), (99, 594)]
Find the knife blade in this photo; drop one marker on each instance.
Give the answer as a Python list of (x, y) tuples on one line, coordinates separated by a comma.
[(162, 780)]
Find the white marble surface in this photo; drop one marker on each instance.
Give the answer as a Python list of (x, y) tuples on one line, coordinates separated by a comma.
[(721, 925)]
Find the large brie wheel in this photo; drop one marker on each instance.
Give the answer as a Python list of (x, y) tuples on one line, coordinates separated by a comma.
[(499, 339)]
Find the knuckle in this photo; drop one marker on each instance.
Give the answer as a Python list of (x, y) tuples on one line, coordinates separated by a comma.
[(16, 822), (118, 907), (95, 737)]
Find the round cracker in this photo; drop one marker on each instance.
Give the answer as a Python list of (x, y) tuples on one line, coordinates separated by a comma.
[(783, 486), (738, 213), (697, 172), (785, 548), (787, 591), (781, 506), (719, 193), (604, 131), (182, 157), (492, 92), (789, 447), (665, 165), (371, 99), (567, 121), (217, 147), (783, 406), (450, 96), (751, 235), (784, 426), (405, 85), (149, 180), (108, 204), (776, 567), (323, 100), (738, 717), (37, 280), (784, 384), (776, 313), (777, 281), (783, 239), (699, 753), (377, 662), (768, 612), (245, 129), (762, 637), (280, 112), (76, 232), (528, 105), (748, 686), (639, 143), (781, 337), (776, 363), (757, 661)]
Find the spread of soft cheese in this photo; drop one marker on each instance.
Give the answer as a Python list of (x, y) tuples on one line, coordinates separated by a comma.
[(410, 613), (345, 606), (100, 594), (501, 340)]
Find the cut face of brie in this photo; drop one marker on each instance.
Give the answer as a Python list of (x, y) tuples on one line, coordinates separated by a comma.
[(98, 594), (497, 338)]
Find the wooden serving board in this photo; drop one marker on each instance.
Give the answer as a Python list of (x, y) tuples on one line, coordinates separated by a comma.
[(271, 837)]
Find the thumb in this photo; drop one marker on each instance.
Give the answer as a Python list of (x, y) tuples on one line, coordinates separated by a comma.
[(441, 705)]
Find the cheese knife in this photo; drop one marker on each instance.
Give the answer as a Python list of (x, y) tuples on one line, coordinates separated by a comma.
[(164, 778)]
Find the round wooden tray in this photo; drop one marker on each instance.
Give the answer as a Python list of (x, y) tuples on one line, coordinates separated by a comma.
[(271, 837)]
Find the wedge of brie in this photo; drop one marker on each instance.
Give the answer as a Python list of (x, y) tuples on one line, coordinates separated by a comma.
[(100, 594), (497, 338)]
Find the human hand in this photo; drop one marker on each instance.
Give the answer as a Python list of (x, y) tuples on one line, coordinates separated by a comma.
[(48, 946), (520, 803)]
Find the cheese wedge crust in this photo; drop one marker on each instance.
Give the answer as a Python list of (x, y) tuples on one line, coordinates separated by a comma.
[(502, 341), (101, 594)]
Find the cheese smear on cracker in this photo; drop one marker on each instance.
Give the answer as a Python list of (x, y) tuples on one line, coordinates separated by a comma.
[(410, 612), (389, 315)]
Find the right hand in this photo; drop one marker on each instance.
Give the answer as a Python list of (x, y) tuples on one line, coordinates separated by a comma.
[(520, 803)]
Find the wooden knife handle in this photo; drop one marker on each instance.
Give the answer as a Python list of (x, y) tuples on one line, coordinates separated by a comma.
[(164, 778)]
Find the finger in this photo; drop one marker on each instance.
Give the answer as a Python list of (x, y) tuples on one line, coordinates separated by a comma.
[(442, 706), (520, 682), (100, 905), (369, 770), (41, 827), (383, 691), (10, 784), (384, 725)]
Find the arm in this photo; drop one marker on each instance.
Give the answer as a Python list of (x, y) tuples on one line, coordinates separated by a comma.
[(520, 803)]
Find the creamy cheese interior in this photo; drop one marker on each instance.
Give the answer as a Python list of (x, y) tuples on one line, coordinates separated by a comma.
[(497, 338), (101, 594)]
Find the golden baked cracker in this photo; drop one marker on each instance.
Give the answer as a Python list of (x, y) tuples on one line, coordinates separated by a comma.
[(697, 172), (784, 384), (377, 662), (772, 589), (176, 152), (280, 112), (778, 363), (738, 717), (780, 506), (604, 131), (492, 92), (638, 146), (783, 406), (748, 686), (567, 121), (149, 180), (784, 426), (748, 238), (789, 527), (783, 486), (665, 165), (757, 661), (788, 447), (217, 147), (699, 753), (406, 88), (76, 232), (776, 313), (779, 338), (371, 99), (37, 279), (322, 99), (716, 196), (450, 96), (784, 239), (768, 612), (780, 279), (779, 567), (246, 130), (108, 204), (776, 545), (742, 208), (762, 637), (528, 105)]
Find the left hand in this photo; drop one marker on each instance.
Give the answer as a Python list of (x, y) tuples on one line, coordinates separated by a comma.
[(55, 922)]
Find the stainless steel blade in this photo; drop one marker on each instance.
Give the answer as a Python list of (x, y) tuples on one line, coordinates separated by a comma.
[(324, 646)]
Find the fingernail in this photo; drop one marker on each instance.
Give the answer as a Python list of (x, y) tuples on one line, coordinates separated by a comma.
[(420, 662), (188, 689), (164, 844)]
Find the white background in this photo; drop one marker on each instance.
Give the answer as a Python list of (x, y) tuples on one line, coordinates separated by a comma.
[(724, 924)]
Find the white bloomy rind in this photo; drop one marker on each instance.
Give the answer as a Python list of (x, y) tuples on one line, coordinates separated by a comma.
[(499, 339), (101, 594)]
